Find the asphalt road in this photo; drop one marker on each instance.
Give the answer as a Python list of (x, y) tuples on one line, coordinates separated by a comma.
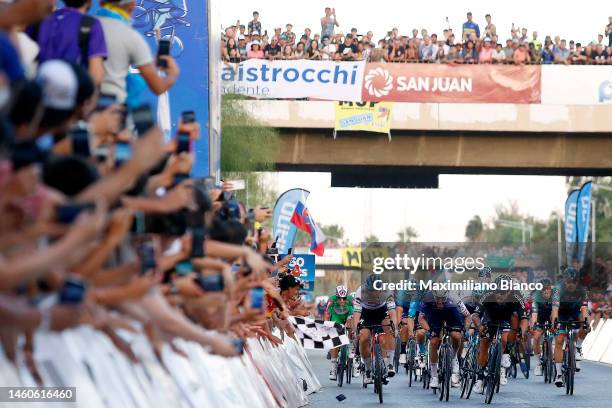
[(592, 388)]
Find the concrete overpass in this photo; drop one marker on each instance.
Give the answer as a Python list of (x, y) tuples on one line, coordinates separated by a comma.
[(432, 139)]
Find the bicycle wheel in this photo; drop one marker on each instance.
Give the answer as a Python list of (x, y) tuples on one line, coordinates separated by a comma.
[(464, 372), (571, 369), (524, 361), (379, 369), (492, 372), (396, 356), (449, 371), (410, 361), (340, 366), (442, 373), (349, 370), (544, 360)]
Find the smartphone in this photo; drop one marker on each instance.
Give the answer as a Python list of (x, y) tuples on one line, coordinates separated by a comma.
[(184, 267), (143, 119), (238, 345), (123, 152), (183, 142), (146, 252), (289, 251), (105, 101), (238, 185), (73, 291), (257, 296), (179, 178), (210, 283), (197, 242), (66, 214), (163, 48), (188, 117), (80, 141)]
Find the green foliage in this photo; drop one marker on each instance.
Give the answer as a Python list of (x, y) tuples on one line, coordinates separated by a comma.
[(370, 239), (246, 145), (474, 229), (407, 234), (258, 192), (333, 231)]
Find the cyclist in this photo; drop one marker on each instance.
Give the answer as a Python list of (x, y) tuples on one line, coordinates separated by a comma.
[(407, 321), (437, 309), (412, 323), (374, 307), (339, 310), (540, 314), (569, 303), (503, 308)]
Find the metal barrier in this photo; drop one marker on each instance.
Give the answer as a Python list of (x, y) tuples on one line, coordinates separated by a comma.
[(265, 376), (597, 345)]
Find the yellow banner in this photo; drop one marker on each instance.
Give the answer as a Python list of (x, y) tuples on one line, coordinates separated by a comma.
[(354, 256), (366, 116)]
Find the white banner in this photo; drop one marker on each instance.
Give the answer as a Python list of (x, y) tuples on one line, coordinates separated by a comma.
[(339, 81), (576, 84)]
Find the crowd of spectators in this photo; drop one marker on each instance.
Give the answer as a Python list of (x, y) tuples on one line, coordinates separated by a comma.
[(101, 223), (471, 46)]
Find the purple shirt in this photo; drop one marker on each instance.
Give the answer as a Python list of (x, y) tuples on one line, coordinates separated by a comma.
[(58, 37)]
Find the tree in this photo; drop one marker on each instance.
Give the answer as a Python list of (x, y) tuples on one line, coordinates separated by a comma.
[(408, 234), (370, 239), (333, 231), (474, 229)]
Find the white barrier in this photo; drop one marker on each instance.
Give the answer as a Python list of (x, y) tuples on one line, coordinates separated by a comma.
[(265, 376), (597, 345)]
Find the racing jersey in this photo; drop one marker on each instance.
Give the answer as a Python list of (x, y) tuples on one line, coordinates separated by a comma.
[(339, 313), (373, 299), (428, 304), (569, 302), (541, 306), (490, 310)]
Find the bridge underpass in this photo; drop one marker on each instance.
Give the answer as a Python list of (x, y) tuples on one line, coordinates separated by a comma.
[(432, 139)]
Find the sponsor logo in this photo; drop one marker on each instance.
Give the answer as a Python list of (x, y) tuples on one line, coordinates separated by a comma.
[(605, 91), (378, 82)]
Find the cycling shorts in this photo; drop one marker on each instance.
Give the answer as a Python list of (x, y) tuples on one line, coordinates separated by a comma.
[(437, 317), (371, 317)]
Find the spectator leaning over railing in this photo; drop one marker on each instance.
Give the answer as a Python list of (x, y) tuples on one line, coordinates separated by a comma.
[(486, 53), (328, 22), (561, 53)]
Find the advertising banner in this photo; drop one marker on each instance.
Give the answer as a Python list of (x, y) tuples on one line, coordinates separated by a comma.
[(439, 83), (327, 80), (366, 116), (576, 85), (282, 227), (303, 266), (570, 225), (583, 216)]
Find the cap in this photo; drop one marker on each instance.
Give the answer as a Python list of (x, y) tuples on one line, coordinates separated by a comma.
[(241, 37), (289, 281), (255, 32), (59, 85), (487, 39)]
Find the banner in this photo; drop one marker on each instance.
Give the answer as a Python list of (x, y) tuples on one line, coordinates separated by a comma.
[(303, 267), (583, 218), (283, 211), (440, 83), (358, 257), (570, 225), (366, 116), (327, 80), (582, 85), (319, 334)]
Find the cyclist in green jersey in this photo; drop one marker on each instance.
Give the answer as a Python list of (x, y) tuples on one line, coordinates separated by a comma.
[(339, 310), (541, 309)]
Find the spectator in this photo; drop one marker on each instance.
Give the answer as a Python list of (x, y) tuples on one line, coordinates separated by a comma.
[(71, 35), (521, 56), (577, 56), (535, 56), (601, 54), (547, 54), (328, 50), (277, 35), (273, 50), (426, 50), (242, 49), (499, 56), (300, 52), (608, 31), (288, 53), (231, 45), (306, 38), (255, 51), (523, 39), (254, 25), (486, 53), (313, 51), (470, 27), (440, 56), (509, 50), (454, 54), (328, 22), (469, 55), (561, 53), (126, 47), (348, 50), (490, 29), (398, 52), (288, 36), (600, 39), (536, 43)]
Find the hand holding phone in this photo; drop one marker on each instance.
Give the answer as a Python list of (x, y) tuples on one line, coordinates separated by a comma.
[(210, 283), (183, 142), (146, 252), (123, 152), (163, 48), (81, 145), (143, 119), (73, 291), (257, 296)]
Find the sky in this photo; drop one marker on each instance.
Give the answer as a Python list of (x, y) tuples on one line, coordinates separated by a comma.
[(580, 21), (437, 214)]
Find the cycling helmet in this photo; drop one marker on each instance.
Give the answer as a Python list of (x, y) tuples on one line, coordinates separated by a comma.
[(341, 291), (369, 283), (440, 294), (546, 283), (571, 274), (485, 272), (507, 279)]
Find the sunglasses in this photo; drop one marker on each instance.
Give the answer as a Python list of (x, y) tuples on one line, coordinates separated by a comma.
[(342, 298)]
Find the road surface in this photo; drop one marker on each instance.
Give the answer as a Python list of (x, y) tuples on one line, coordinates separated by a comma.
[(592, 388)]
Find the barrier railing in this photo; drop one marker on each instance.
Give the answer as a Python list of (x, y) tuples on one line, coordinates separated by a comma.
[(597, 345), (265, 376)]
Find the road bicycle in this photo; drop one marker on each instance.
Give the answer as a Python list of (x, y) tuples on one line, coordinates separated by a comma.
[(445, 364), (546, 358), (378, 363), (411, 364), (492, 371), (342, 365), (518, 358), (469, 366), (568, 368)]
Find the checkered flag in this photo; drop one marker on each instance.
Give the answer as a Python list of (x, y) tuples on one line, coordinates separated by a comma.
[(319, 334)]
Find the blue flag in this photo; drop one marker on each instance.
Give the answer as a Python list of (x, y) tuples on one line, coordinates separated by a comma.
[(282, 227), (570, 225), (583, 216)]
